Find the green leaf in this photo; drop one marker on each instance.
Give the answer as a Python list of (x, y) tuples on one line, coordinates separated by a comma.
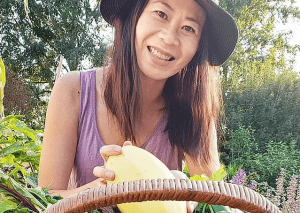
[(25, 210), (23, 129), (186, 170), (2, 72), (12, 149), (3, 175), (9, 159), (7, 205), (219, 209), (16, 169), (210, 208), (38, 192), (200, 177), (219, 175), (32, 181), (23, 191), (11, 118)]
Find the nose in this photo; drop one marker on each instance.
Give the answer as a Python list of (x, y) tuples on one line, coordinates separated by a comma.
[(169, 36)]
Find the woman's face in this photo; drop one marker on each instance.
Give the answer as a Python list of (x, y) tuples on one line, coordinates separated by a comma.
[(167, 36)]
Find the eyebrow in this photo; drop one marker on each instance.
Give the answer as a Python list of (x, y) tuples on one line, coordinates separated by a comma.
[(170, 8)]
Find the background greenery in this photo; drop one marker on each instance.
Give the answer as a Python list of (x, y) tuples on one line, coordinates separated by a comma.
[(260, 89), (31, 49)]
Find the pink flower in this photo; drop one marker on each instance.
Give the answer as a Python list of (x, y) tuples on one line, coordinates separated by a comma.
[(240, 178), (253, 185)]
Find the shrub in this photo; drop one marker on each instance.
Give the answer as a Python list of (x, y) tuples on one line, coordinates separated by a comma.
[(19, 163), (242, 150), (272, 111), (20, 149)]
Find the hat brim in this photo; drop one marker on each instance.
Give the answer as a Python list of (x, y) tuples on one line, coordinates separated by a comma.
[(223, 32)]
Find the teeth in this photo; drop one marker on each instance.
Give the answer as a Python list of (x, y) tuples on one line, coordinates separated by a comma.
[(159, 55)]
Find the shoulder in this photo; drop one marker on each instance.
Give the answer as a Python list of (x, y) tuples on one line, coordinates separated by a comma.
[(69, 84)]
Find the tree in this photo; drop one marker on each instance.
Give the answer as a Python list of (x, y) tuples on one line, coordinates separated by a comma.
[(258, 79), (16, 98), (60, 27), (261, 52), (272, 111)]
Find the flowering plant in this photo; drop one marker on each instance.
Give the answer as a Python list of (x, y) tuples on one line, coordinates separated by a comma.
[(287, 195), (241, 179)]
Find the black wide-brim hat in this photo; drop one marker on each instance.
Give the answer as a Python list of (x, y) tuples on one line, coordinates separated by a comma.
[(223, 32)]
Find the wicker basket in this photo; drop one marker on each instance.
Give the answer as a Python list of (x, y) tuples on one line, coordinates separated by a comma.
[(210, 192)]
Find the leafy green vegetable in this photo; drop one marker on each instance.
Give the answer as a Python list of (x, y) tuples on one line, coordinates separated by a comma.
[(7, 205), (217, 176)]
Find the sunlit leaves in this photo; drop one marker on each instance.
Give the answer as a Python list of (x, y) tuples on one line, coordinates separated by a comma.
[(20, 146), (2, 84), (262, 51)]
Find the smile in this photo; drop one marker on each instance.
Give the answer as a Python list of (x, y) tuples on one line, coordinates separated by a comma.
[(160, 55)]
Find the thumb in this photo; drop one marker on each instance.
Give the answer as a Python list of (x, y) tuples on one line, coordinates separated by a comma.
[(127, 143), (191, 205)]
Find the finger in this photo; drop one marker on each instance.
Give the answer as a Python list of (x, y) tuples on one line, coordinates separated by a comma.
[(108, 150), (98, 182), (191, 205), (179, 175), (102, 172), (101, 182), (127, 143)]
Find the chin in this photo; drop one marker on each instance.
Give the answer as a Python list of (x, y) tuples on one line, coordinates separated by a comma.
[(157, 76)]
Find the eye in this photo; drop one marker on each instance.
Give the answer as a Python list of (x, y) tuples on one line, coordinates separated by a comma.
[(189, 29), (161, 14)]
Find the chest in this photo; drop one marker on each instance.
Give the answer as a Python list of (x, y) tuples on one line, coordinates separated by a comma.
[(108, 126), (111, 134)]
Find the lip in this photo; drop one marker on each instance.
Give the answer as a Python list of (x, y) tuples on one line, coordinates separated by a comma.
[(156, 61), (162, 51)]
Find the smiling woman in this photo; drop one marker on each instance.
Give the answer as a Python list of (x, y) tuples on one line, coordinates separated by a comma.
[(159, 92), (167, 38)]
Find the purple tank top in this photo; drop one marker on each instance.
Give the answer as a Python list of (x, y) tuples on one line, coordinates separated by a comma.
[(89, 140)]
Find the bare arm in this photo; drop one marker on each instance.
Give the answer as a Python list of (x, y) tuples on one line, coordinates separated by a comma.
[(60, 138), (60, 135), (65, 193), (214, 164)]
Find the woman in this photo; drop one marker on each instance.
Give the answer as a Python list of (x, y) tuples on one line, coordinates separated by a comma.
[(160, 91)]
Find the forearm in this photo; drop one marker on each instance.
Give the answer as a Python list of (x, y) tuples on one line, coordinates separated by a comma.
[(66, 193), (212, 165)]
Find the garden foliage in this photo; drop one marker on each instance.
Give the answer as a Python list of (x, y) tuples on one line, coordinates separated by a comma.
[(272, 111), (31, 49), (261, 96), (241, 150), (287, 195), (20, 149), (262, 50)]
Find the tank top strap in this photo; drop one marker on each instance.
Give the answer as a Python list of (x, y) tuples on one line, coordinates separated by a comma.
[(88, 97)]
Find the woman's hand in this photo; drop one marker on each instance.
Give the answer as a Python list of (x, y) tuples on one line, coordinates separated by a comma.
[(104, 174), (101, 172), (190, 205)]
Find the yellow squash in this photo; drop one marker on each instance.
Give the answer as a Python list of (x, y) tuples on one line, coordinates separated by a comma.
[(137, 164)]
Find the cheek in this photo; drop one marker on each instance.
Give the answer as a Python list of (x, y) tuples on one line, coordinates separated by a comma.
[(190, 49)]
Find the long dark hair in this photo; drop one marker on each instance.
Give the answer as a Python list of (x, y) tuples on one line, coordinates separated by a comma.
[(192, 96)]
